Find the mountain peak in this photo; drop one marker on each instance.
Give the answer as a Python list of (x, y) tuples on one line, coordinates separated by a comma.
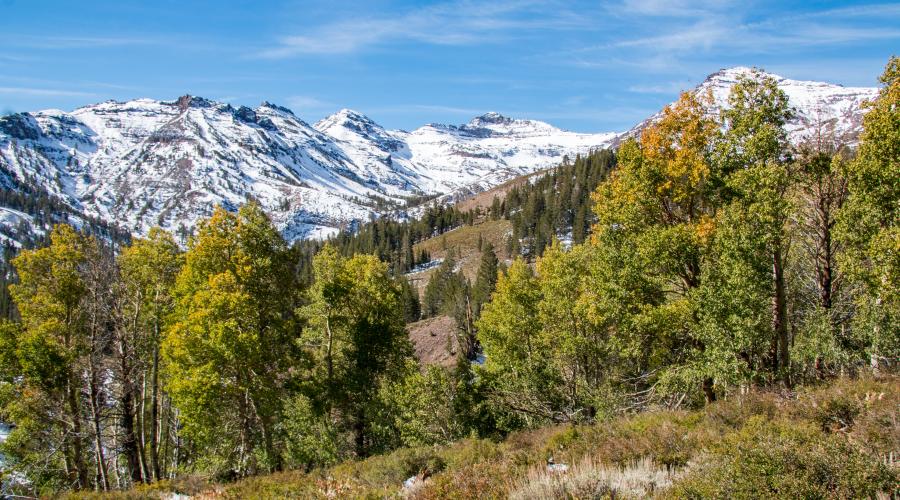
[(732, 74), (349, 116), (350, 113), (276, 107), (189, 101), (348, 119), (114, 160), (491, 117)]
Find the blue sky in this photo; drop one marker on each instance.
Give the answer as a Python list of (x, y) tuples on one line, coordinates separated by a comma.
[(585, 66)]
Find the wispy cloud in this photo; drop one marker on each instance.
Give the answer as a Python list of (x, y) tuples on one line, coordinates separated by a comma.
[(667, 31), (671, 8), (463, 22), (36, 83), (15, 58)]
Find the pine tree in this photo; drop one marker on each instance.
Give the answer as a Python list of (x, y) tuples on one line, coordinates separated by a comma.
[(409, 260), (412, 308), (485, 280), (442, 284)]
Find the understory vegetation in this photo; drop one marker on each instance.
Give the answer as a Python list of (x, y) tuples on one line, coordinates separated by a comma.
[(727, 327), (822, 441)]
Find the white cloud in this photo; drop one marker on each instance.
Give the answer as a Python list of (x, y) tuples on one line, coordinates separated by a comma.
[(668, 33), (673, 8), (462, 22)]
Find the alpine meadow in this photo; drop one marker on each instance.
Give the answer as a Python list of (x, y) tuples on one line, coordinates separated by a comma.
[(206, 300)]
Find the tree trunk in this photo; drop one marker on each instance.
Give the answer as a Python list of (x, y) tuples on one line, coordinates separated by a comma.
[(328, 359), (177, 448), (708, 392), (94, 392), (154, 413), (779, 316), (129, 443), (142, 432), (165, 437), (81, 473), (826, 269)]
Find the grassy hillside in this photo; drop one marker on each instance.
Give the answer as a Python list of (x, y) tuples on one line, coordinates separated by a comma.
[(834, 441), (484, 199), (463, 241)]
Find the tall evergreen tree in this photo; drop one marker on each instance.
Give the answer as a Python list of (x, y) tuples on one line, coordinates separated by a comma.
[(485, 280)]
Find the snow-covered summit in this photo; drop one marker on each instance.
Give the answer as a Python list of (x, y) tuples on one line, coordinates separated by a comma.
[(833, 109), (828, 109)]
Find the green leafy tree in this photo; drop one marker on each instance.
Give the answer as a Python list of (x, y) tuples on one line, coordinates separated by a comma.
[(50, 351), (517, 359), (655, 224), (425, 406), (755, 157), (231, 353), (148, 269), (579, 353), (868, 223), (357, 338)]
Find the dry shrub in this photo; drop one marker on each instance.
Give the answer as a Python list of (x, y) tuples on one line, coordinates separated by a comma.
[(864, 409), (483, 481), (785, 459), (591, 479)]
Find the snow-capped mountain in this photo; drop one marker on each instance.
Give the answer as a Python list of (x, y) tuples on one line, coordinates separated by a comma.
[(143, 163), (447, 159), (833, 111)]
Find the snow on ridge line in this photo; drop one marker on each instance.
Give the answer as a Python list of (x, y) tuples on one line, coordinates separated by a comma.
[(145, 162)]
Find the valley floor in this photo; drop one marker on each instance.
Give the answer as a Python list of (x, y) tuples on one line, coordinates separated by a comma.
[(837, 440)]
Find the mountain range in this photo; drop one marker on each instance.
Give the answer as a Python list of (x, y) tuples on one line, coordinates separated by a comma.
[(145, 163)]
